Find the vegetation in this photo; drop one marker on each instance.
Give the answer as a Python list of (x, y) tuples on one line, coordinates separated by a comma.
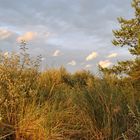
[(58, 105), (129, 36)]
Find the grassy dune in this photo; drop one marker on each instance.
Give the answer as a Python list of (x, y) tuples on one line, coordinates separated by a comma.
[(58, 105)]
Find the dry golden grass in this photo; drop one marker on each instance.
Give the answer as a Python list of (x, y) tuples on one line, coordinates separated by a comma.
[(57, 105)]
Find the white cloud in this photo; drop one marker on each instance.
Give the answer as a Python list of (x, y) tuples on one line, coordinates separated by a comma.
[(56, 53), (73, 63), (6, 54), (112, 55), (28, 36), (88, 66), (91, 56), (4, 34), (43, 58), (105, 63)]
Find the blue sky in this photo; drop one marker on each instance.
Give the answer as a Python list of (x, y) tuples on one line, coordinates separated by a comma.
[(75, 34)]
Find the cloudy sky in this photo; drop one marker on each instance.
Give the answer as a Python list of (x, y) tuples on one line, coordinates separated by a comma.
[(75, 34)]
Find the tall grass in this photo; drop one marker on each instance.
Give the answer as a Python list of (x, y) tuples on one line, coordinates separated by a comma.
[(58, 105)]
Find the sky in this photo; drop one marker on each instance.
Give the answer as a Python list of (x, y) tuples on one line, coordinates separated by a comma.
[(75, 34)]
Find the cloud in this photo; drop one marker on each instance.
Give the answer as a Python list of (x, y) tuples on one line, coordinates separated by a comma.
[(91, 56), (88, 66), (43, 58), (6, 54), (70, 34), (4, 34), (56, 53), (112, 55), (47, 34), (28, 36), (105, 63), (73, 63)]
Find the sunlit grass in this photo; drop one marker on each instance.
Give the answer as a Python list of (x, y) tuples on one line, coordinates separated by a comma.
[(55, 104)]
